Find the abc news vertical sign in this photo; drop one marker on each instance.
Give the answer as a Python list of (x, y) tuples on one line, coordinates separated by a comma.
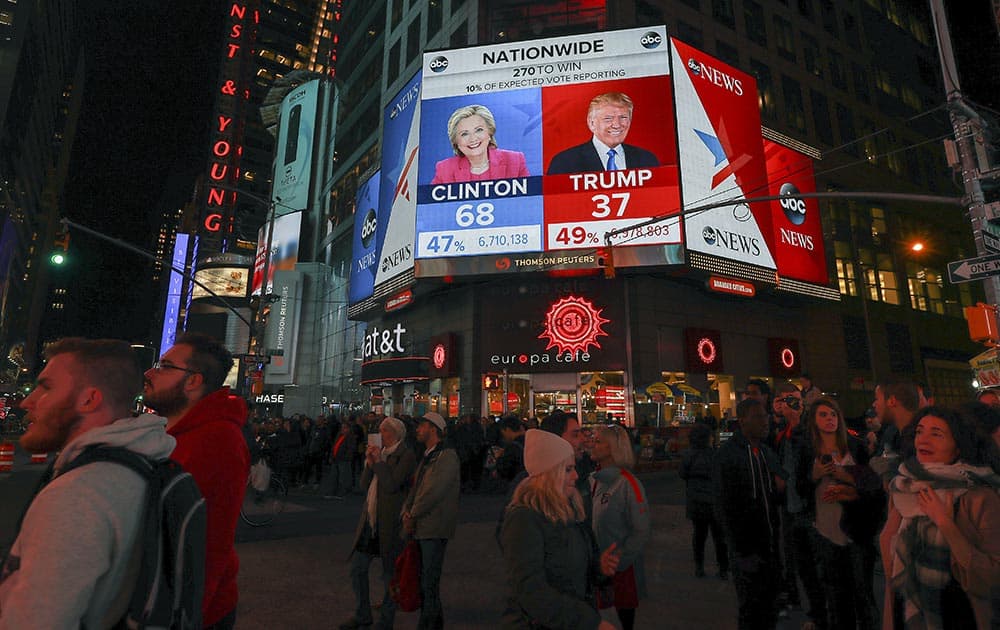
[(524, 110), (723, 156)]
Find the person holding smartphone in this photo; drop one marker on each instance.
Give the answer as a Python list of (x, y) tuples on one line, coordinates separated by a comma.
[(845, 500)]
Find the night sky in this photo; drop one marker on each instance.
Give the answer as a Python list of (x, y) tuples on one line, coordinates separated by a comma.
[(145, 117), (146, 112)]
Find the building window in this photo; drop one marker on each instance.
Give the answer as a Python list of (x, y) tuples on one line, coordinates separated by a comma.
[(648, 14), (883, 81), (851, 34), (845, 120), (6, 18), (397, 13), (435, 15), (795, 111), (836, 63), (829, 13), (765, 88), (821, 116), (806, 9), (753, 14), (689, 34), (861, 87), (722, 11), (460, 36), (900, 348), (727, 53), (810, 56), (413, 40), (392, 63), (784, 39)]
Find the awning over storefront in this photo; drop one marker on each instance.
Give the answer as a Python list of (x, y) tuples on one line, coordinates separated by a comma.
[(662, 392)]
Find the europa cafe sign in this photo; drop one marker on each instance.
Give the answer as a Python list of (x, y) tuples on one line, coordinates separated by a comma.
[(572, 327), (227, 122)]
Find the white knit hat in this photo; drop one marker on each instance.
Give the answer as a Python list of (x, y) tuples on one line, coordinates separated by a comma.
[(544, 451)]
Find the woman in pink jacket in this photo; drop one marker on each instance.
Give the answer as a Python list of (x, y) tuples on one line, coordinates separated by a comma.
[(471, 130)]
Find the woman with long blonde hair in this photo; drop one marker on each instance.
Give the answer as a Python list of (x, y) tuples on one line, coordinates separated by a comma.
[(550, 554)]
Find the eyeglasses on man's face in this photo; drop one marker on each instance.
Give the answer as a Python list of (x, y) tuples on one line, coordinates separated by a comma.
[(160, 366)]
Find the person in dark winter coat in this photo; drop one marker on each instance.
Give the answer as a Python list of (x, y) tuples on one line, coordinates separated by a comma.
[(744, 475), (696, 471), (551, 558)]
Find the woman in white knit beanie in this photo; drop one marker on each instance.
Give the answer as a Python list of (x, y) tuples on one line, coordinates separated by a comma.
[(550, 554)]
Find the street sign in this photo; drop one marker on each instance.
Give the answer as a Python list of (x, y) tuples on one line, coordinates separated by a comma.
[(974, 268), (991, 241), (256, 358)]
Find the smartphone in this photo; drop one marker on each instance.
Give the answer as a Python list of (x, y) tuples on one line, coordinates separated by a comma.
[(375, 439), (826, 458), (292, 134)]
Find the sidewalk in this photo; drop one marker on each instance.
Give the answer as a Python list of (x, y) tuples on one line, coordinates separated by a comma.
[(304, 583)]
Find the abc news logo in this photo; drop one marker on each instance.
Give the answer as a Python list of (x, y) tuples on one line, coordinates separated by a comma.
[(792, 204), (439, 64), (651, 40), (368, 228)]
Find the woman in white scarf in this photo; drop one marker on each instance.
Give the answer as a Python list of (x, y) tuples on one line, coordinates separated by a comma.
[(941, 543), (387, 476)]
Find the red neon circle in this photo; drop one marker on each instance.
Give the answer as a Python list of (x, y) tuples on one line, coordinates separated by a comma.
[(440, 354), (706, 350), (522, 359), (787, 357)]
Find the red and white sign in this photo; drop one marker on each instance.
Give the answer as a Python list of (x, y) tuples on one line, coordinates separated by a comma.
[(573, 324), (398, 301), (729, 285), (611, 398), (798, 232), (721, 156)]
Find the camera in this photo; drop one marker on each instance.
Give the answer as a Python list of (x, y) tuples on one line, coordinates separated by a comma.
[(792, 402)]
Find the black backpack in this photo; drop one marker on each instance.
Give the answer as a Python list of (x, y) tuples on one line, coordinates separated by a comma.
[(167, 567)]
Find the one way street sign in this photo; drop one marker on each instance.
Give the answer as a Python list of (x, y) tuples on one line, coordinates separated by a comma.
[(974, 268)]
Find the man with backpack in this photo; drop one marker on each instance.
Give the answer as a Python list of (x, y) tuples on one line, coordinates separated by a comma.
[(77, 560), (186, 386)]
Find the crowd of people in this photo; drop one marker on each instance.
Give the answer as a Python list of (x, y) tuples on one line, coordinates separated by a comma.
[(796, 496), (803, 509)]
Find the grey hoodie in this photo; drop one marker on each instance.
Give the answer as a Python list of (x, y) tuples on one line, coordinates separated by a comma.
[(69, 560)]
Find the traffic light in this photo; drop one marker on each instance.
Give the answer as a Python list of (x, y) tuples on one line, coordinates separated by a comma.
[(60, 246), (982, 320), (491, 381)]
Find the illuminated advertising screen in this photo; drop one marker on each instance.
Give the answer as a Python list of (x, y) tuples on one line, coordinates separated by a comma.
[(722, 158), (226, 282), (284, 249), (397, 190), (293, 152), (798, 232), (364, 253), (545, 146), (174, 286)]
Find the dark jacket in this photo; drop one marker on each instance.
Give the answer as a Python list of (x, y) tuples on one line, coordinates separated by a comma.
[(746, 511), (550, 569), (862, 518), (345, 453), (584, 157), (696, 471), (512, 461), (395, 475)]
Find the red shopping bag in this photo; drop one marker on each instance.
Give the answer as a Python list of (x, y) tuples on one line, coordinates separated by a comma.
[(405, 584)]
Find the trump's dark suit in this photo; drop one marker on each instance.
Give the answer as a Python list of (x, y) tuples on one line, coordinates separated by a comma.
[(583, 158)]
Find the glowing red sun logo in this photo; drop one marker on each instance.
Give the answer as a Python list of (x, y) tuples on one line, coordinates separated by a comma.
[(572, 324)]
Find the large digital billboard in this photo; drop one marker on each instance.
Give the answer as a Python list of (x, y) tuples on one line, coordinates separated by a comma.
[(547, 145), (366, 247), (293, 153), (722, 157), (284, 250), (397, 189)]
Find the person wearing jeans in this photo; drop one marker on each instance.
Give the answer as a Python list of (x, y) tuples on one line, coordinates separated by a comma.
[(430, 513)]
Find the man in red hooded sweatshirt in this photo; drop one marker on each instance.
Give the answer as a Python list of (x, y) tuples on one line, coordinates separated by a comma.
[(186, 386)]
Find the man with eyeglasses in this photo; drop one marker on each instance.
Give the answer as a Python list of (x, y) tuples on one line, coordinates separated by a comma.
[(186, 386), (609, 118)]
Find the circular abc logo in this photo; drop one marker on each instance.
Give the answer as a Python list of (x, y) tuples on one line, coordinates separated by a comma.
[(694, 67), (792, 204), (708, 233), (368, 228), (439, 64), (651, 40)]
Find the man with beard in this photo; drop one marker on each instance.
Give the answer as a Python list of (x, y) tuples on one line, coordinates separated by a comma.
[(69, 563), (186, 386)]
